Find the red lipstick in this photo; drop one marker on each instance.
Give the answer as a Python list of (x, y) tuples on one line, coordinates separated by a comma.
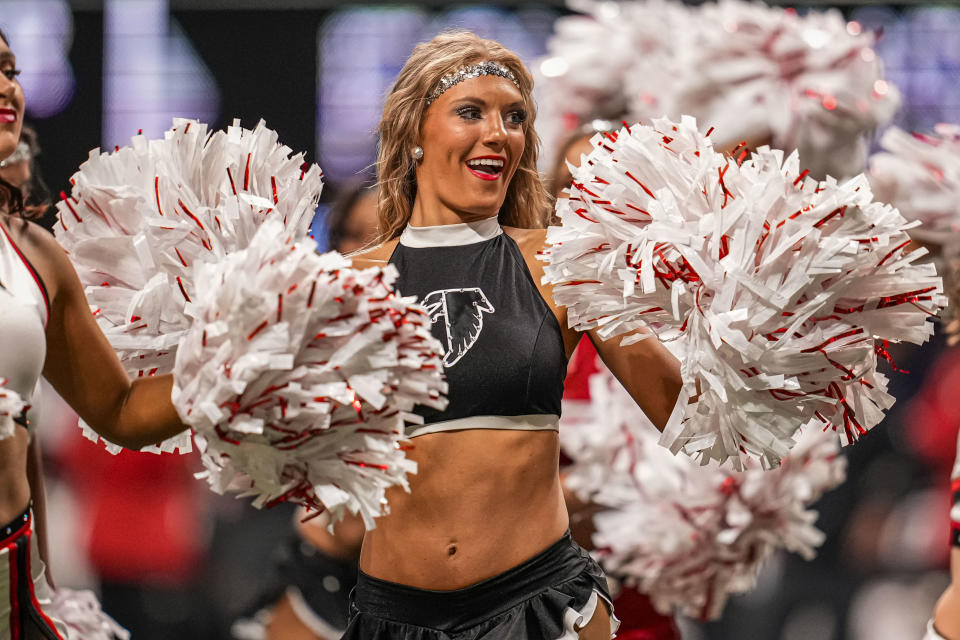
[(487, 167)]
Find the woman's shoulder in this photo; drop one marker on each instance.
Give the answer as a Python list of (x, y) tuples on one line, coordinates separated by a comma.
[(377, 256), (530, 241), (41, 248), (37, 244), (527, 237)]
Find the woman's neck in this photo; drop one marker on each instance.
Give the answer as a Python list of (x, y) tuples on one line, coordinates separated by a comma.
[(435, 214)]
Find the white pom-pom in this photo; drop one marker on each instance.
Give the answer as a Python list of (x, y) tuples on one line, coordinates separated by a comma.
[(613, 60), (299, 374), (11, 406), (139, 219), (80, 611), (920, 175), (776, 289), (690, 535), (809, 82)]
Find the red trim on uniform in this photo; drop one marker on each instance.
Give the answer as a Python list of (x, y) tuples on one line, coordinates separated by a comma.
[(33, 272), (12, 538), (955, 485), (33, 594), (14, 600)]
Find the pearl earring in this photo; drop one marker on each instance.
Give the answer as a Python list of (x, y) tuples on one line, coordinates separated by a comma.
[(418, 153)]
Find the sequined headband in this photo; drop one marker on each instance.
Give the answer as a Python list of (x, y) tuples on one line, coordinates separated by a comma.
[(485, 68)]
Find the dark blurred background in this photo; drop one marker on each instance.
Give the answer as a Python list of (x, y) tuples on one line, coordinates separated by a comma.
[(172, 560)]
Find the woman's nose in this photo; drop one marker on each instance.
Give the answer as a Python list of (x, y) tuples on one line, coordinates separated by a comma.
[(495, 135), (7, 87)]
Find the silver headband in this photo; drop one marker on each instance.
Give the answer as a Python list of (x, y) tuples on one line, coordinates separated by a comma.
[(485, 68)]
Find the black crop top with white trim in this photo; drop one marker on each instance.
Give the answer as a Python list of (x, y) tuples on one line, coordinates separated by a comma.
[(505, 359)]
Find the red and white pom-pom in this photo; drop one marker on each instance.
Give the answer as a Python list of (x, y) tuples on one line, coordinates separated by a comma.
[(11, 406), (778, 290), (299, 373), (610, 61), (689, 535), (808, 82), (139, 219), (811, 83), (81, 613), (920, 175)]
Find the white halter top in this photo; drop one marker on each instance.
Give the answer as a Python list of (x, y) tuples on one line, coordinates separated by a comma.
[(23, 315)]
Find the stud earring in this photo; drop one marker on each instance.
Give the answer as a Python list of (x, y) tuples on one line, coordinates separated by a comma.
[(418, 153)]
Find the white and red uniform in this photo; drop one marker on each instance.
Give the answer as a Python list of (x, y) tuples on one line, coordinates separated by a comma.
[(24, 308)]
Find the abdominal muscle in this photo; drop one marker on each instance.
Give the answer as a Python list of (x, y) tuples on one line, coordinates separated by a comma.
[(14, 486), (483, 501)]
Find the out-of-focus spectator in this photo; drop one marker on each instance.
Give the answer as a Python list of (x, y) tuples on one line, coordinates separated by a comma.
[(575, 145), (352, 222)]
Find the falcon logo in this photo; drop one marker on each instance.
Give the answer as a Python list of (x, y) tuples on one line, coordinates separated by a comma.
[(462, 312)]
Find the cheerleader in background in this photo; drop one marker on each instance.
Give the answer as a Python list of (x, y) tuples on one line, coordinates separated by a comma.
[(46, 328)]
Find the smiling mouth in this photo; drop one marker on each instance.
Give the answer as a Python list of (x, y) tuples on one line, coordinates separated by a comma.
[(486, 168)]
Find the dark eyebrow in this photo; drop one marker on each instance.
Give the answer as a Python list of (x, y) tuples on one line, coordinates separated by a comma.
[(474, 99), (482, 103)]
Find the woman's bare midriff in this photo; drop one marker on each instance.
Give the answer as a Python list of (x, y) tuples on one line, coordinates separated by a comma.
[(483, 501), (14, 487)]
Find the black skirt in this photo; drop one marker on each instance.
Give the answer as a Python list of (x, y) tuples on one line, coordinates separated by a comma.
[(547, 597), (315, 584)]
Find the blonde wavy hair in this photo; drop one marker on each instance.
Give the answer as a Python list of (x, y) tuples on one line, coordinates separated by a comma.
[(527, 204)]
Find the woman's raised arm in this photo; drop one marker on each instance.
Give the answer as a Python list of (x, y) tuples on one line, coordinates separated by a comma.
[(82, 366), (647, 369)]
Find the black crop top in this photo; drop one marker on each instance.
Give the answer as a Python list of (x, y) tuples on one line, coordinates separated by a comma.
[(505, 359)]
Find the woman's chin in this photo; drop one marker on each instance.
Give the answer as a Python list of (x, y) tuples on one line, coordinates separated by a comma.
[(489, 206), (6, 147), (470, 211), (9, 138)]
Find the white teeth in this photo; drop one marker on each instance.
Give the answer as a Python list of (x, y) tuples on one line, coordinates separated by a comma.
[(484, 161)]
